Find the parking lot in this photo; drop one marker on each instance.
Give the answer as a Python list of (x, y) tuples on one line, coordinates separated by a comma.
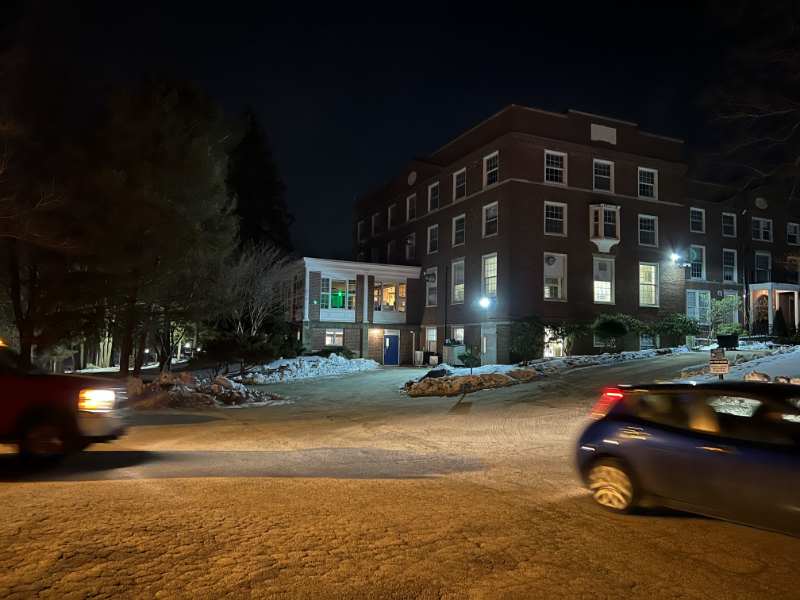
[(356, 491)]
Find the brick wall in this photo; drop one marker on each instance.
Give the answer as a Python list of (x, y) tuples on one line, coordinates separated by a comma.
[(503, 334), (359, 298), (406, 348), (376, 344), (314, 283), (352, 339), (370, 303), (317, 339)]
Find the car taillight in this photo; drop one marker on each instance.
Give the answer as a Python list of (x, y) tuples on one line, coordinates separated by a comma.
[(607, 401)]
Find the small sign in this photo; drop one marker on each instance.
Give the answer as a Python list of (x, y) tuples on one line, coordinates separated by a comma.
[(717, 353), (719, 366)]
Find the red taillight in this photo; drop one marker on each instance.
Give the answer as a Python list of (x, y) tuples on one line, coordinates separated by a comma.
[(607, 401)]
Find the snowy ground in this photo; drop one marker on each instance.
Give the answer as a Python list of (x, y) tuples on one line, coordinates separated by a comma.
[(308, 366), (786, 365), (93, 369)]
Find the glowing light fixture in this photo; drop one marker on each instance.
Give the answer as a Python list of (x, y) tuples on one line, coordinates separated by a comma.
[(674, 257), (96, 400), (484, 303)]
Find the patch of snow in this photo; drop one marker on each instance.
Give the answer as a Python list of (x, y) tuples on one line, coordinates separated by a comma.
[(781, 364), (308, 366)]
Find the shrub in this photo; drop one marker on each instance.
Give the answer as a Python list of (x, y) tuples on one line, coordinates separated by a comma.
[(727, 328), (470, 360), (226, 350), (340, 350), (679, 326), (779, 324), (527, 337), (610, 328), (567, 333)]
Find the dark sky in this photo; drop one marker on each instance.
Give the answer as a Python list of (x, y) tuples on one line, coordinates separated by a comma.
[(347, 92)]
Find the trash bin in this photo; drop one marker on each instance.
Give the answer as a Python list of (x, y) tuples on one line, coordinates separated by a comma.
[(729, 341)]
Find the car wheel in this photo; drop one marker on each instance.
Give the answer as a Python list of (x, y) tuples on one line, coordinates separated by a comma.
[(44, 440), (611, 485)]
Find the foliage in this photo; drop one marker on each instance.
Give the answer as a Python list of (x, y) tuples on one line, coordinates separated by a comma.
[(527, 337), (470, 360), (720, 312), (779, 324), (340, 350), (224, 351), (610, 329), (728, 328), (679, 326), (567, 333)]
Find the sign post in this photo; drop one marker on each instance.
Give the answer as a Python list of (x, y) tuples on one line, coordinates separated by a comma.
[(718, 364)]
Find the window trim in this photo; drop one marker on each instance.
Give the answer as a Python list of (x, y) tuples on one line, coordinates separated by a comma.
[(564, 218), (729, 214), (702, 211), (602, 208), (429, 285), (639, 182), (408, 207), (563, 297), (603, 162), (389, 220), (459, 261), (453, 336), (613, 262), (438, 195), (483, 219), (483, 274), (435, 339), (639, 225), (705, 260), (797, 226), (486, 172), (376, 219), (758, 253), (432, 227), (735, 265), (657, 284), (698, 293), (455, 179), (565, 156), (453, 240), (761, 230), (334, 332)]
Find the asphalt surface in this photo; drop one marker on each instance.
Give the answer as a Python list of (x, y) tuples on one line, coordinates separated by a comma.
[(355, 491)]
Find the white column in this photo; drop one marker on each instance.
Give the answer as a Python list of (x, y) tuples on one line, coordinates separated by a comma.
[(367, 293), (770, 308), (796, 313), (307, 295)]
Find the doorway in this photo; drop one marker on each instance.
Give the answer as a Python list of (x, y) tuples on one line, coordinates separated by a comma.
[(391, 348), (488, 348)]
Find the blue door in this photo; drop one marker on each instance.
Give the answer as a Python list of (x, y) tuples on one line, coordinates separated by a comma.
[(391, 350)]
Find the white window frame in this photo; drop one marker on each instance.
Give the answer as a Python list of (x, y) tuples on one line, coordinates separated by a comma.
[(484, 258), (796, 227), (655, 285), (430, 229), (563, 169), (595, 162), (483, 219), (429, 285), (691, 276), (734, 316), (454, 230), (761, 222), (456, 198), (602, 208), (655, 231), (640, 183), (735, 266), (392, 209), (411, 249), (376, 219), (408, 207), (613, 281), (563, 297), (496, 169), (333, 333), (454, 328), (697, 314), (430, 196), (361, 231), (429, 339), (391, 252), (563, 219), (702, 212), (327, 292), (728, 214), (453, 281)]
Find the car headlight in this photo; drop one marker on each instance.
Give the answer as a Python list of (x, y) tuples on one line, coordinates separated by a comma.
[(96, 400)]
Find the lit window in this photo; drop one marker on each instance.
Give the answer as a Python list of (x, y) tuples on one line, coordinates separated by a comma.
[(411, 207), (729, 224), (393, 216), (430, 339), (432, 283), (603, 174), (490, 276), (460, 184), (433, 196), (458, 282), (375, 221), (457, 333), (793, 234), (459, 230), (334, 337), (697, 255), (391, 251), (337, 294), (554, 166), (325, 293), (491, 166), (433, 239), (697, 220), (648, 284), (490, 220), (648, 230), (389, 297), (555, 276), (602, 291), (554, 218), (552, 288), (729, 265), (762, 229), (648, 183), (411, 242), (603, 281)]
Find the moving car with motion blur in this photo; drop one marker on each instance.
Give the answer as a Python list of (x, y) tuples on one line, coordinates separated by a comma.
[(48, 415), (729, 450)]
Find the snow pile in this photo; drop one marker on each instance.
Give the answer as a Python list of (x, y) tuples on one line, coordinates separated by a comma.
[(308, 366), (461, 384), (781, 360), (186, 391)]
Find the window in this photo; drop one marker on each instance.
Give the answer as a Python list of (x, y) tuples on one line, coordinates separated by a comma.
[(793, 234), (648, 230), (491, 169), (393, 216), (603, 176), (697, 256), (325, 293), (729, 224), (603, 281), (648, 284), (389, 297), (763, 267), (361, 231), (433, 239), (599, 342), (391, 252), (697, 220), (337, 294), (375, 255), (375, 221), (555, 276), (411, 242), (457, 333), (433, 196), (733, 317), (411, 207), (459, 230), (554, 166), (430, 339), (458, 282), (647, 342), (729, 265), (460, 184), (490, 276), (432, 285), (697, 303), (334, 337), (555, 221), (605, 221), (490, 219), (762, 229), (648, 183)]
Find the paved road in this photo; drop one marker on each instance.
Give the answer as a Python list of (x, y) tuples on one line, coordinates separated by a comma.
[(355, 491)]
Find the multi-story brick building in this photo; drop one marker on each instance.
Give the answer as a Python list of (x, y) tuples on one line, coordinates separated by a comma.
[(564, 216)]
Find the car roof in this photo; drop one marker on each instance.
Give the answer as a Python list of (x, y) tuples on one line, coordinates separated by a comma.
[(771, 391)]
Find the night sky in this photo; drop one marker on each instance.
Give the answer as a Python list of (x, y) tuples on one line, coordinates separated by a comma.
[(347, 92)]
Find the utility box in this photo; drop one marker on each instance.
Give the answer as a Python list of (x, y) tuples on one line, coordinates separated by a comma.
[(728, 340), (419, 358), (450, 354)]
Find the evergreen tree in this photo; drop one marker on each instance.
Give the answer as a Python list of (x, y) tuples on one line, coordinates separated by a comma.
[(255, 180)]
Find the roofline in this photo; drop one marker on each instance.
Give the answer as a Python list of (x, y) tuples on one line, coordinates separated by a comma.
[(365, 268)]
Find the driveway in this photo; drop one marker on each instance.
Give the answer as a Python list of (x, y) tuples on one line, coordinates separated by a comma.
[(356, 491)]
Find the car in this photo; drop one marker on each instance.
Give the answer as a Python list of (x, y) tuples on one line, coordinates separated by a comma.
[(48, 415), (729, 450)]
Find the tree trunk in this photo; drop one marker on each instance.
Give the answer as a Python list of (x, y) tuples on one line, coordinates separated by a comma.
[(127, 336), (137, 367)]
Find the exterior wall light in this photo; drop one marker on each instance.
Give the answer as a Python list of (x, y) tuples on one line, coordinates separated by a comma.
[(484, 303), (674, 257)]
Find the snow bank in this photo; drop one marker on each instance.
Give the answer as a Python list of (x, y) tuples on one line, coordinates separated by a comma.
[(308, 366), (782, 362)]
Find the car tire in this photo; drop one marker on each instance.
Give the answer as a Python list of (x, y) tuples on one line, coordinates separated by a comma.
[(612, 485), (44, 440)]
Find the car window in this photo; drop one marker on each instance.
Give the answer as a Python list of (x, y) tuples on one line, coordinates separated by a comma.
[(665, 409), (731, 405), (742, 418)]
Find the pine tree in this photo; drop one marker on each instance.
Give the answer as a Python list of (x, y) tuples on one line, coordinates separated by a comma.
[(255, 179)]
